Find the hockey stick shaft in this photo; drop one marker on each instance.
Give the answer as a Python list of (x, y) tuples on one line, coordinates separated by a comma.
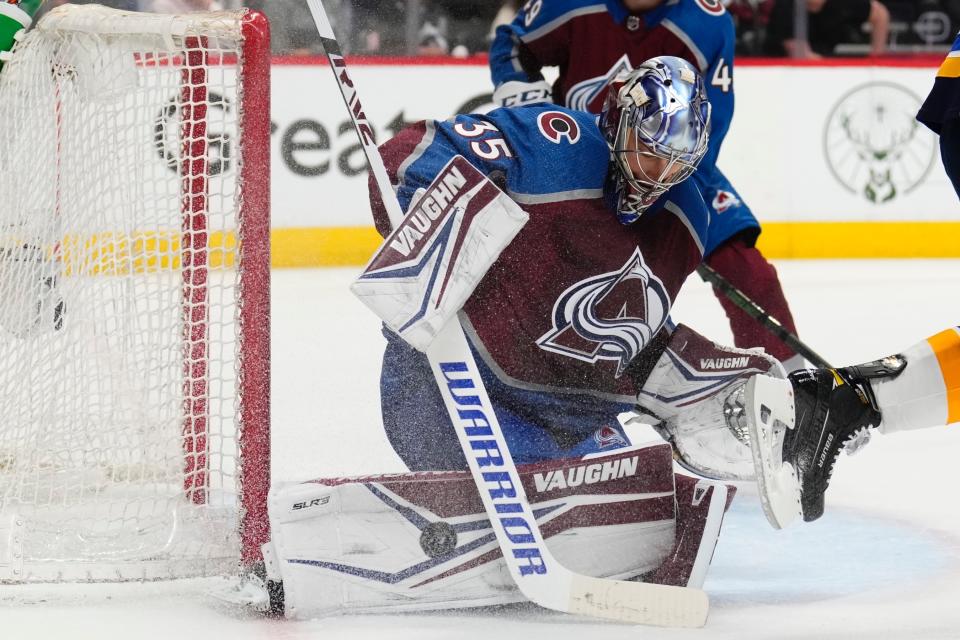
[(757, 312), (363, 127), (537, 574)]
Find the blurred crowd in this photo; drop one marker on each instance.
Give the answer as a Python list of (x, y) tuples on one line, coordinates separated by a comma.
[(796, 28)]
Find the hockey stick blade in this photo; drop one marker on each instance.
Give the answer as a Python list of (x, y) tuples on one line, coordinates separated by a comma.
[(638, 603), (537, 574)]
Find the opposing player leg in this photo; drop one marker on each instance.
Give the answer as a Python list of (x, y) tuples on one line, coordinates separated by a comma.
[(799, 426), (927, 392)]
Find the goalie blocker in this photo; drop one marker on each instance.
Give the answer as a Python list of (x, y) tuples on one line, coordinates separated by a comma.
[(422, 541), (425, 271)]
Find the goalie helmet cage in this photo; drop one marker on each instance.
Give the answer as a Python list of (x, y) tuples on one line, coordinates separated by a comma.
[(134, 296)]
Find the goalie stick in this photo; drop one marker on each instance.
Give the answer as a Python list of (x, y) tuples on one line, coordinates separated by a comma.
[(537, 574), (755, 311)]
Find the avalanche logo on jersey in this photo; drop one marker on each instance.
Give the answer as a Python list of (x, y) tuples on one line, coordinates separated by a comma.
[(583, 94), (713, 7), (612, 316), (725, 200), (557, 126), (607, 436)]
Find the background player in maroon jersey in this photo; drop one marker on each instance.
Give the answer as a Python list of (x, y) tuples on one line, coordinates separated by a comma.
[(592, 43)]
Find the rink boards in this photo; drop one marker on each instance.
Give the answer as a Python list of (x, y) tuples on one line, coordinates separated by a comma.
[(827, 155)]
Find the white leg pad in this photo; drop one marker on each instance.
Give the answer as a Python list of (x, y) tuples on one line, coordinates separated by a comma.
[(422, 541)]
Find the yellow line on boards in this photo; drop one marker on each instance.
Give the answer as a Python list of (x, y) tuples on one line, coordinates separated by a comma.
[(149, 252), (860, 240), (323, 246), (344, 246)]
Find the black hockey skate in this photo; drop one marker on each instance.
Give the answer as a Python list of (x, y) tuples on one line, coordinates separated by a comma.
[(835, 411), (797, 427)]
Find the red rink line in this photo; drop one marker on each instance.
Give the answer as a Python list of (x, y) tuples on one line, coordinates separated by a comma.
[(480, 60)]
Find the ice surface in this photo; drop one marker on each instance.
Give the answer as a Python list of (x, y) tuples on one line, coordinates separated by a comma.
[(884, 562)]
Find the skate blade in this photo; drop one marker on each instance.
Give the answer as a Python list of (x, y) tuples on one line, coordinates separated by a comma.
[(769, 405)]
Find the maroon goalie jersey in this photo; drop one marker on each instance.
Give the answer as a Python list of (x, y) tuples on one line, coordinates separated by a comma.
[(576, 295)]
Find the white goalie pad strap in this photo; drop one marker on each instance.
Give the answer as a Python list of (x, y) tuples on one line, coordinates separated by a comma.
[(422, 541), (429, 266), (715, 496), (687, 390)]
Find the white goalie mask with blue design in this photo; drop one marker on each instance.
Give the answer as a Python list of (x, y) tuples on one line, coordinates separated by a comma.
[(656, 120)]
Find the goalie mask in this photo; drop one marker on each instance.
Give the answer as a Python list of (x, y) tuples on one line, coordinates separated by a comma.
[(655, 120)]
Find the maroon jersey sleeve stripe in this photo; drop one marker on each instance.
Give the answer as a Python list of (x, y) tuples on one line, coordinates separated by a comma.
[(397, 153)]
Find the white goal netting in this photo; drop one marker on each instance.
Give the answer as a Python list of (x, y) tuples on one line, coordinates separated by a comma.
[(134, 366)]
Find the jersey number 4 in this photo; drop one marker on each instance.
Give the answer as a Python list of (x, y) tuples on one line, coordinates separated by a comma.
[(722, 77)]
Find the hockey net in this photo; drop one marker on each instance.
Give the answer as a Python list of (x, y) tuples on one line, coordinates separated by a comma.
[(134, 296)]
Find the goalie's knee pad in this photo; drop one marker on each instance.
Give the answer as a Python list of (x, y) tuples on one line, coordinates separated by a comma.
[(693, 397)]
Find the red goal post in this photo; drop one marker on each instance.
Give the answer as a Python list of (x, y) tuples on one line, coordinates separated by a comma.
[(134, 296)]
